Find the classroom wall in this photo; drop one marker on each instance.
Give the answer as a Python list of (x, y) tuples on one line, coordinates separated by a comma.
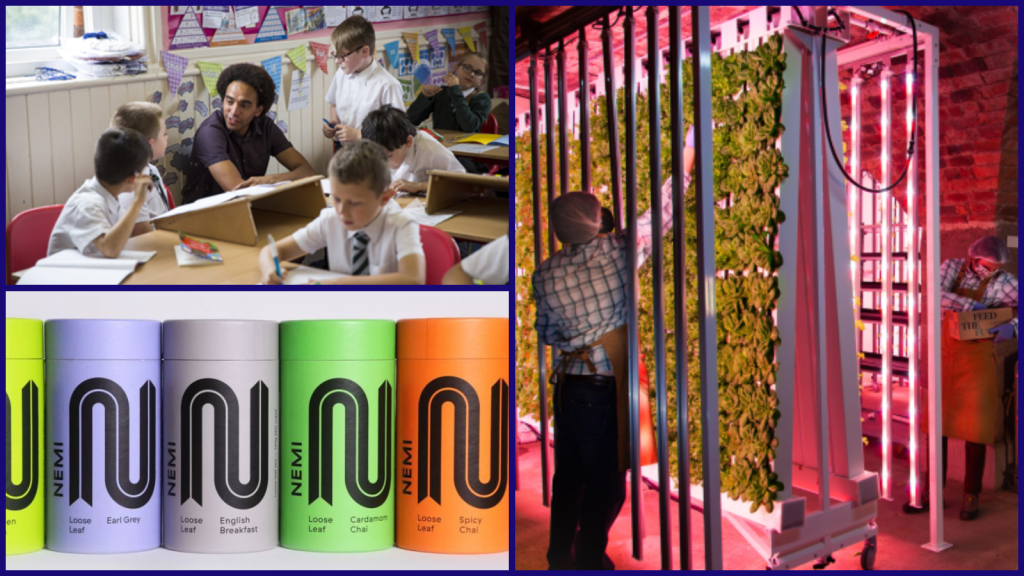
[(52, 127)]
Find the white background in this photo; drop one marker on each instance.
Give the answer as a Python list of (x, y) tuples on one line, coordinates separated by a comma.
[(264, 305), (276, 306)]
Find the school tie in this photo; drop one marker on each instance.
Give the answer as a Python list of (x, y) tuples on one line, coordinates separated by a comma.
[(360, 258)]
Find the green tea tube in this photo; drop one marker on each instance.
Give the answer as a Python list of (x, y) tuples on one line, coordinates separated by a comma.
[(25, 516), (337, 435)]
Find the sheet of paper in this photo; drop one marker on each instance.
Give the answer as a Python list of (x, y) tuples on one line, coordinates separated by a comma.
[(218, 199), (128, 260), (59, 276), (479, 139), (335, 15), (302, 89), (186, 259), (326, 185), (247, 16), (305, 274), (213, 16), (472, 148), (503, 141), (418, 212)]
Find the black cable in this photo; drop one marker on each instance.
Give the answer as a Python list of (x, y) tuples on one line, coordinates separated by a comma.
[(597, 25), (828, 132)]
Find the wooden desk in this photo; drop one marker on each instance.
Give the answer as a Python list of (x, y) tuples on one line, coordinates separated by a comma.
[(241, 265), (483, 220), (450, 136)]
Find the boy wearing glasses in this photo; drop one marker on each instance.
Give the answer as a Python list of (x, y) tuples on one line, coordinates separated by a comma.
[(360, 85)]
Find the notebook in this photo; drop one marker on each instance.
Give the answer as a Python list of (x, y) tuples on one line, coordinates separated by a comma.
[(71, 268)]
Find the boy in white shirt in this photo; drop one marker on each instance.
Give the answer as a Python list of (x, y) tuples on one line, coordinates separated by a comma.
[(147, 119), (488, 265), (411, 152), (360, 85), (92, 221), (367, 235)]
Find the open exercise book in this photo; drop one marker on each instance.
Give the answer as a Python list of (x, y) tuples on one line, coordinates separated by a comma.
[(70, 267)]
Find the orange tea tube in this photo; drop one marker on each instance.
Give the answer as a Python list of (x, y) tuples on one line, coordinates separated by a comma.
[(453, 429)]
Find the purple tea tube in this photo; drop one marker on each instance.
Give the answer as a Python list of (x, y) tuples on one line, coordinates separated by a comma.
[(103, 436)]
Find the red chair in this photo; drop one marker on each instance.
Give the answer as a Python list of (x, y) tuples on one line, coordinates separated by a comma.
[(28, 236), (441, 251), (490, 126), (170, 198)]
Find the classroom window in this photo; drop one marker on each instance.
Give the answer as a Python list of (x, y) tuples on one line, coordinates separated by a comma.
[(34, 33), (34, 26)]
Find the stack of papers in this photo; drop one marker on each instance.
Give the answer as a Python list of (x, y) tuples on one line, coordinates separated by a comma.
[(417, 210), (71, 268), (472, 148)]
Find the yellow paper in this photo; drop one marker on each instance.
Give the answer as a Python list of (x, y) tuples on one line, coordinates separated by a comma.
[(298, 56), (480, 138), (413, 40), (467, 35)]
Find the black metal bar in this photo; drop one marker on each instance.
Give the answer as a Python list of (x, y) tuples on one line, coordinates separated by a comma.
[(707, 327), (658, 284), (679, 279), (549, 113), (584, 109), (538, 255), (636, 486), (563, 122), (517, 446), (613, 122)]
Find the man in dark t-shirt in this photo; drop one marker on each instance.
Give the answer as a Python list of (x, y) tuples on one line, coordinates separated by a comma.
[(232, 148)]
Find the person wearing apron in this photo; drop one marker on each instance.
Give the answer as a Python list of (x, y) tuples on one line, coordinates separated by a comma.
[(581, 294), (970, 401)]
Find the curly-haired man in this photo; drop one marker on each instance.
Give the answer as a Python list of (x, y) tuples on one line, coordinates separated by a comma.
[(232, 148)]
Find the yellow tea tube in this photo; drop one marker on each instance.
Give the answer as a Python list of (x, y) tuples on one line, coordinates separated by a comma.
[(25, 395)]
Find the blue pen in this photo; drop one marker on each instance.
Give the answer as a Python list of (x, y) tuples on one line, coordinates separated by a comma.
[(273, 252), (328, 123)]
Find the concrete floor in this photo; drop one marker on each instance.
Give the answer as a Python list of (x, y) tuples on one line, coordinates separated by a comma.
[(988, 543)]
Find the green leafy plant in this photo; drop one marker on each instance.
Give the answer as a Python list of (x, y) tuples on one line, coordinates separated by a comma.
[(746, 107)]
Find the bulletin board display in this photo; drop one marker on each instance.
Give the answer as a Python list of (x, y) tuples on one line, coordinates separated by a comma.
[(187, 27)]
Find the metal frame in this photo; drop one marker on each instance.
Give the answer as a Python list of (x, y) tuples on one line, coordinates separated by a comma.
[(635, 481), (927, 312), (538, 254), (793, 535)]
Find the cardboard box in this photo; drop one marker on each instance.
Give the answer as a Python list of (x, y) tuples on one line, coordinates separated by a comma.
[(975, 325), (233, 221), (500, 110), (483, 215)]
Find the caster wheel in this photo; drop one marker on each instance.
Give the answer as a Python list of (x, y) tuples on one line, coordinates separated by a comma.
[(867, 556), (824, 563)]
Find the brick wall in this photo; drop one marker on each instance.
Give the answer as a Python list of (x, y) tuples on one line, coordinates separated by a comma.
[(978, 121)]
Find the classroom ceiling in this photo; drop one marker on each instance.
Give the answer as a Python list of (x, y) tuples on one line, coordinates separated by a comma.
[(535, 17)]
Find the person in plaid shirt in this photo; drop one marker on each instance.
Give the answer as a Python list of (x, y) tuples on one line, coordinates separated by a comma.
[(582, 297), (969, 379)]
